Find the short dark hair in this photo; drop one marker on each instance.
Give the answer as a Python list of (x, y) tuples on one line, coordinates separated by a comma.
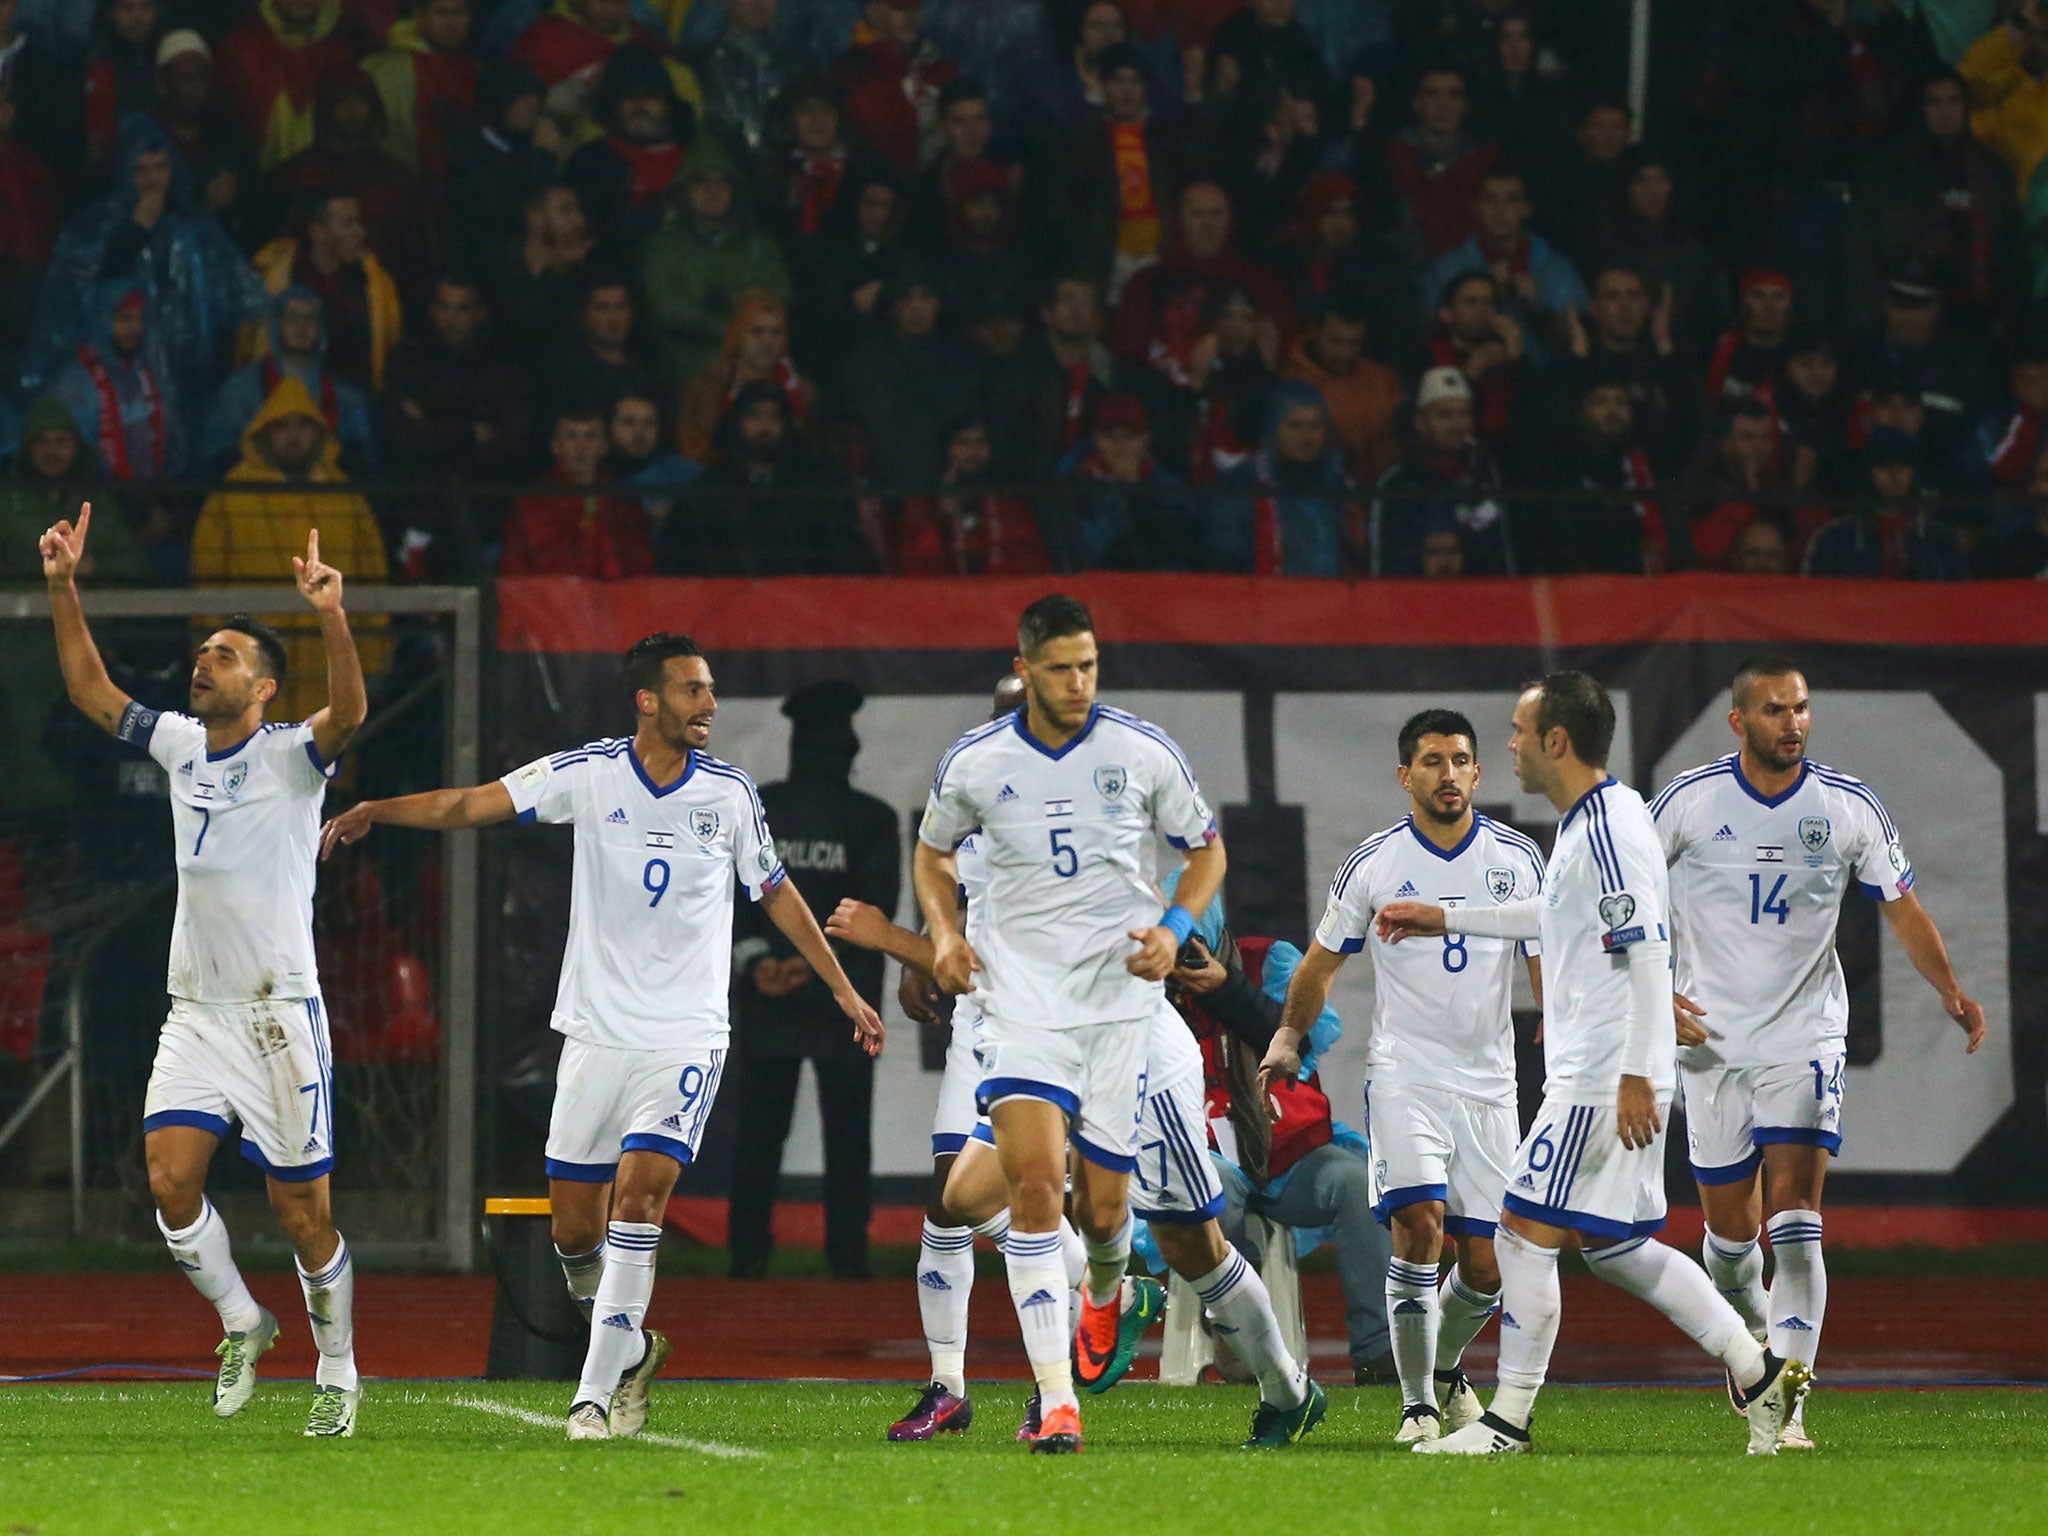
[(1434, 722), (647, 657), (1748, 408), (1471, 275), (269, 645), (961, 88), (1764, 664), (1577, 702), (1052, 617), (579, 410)]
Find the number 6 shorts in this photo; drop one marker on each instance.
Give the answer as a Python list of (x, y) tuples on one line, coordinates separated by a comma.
[(609, 1101), (1572, 1171), (267, 1064)]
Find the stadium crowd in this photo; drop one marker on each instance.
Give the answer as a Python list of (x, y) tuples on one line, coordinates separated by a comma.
[(1321, 287)]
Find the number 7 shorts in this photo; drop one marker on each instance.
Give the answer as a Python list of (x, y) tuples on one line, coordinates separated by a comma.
[(1731, 1113), (265, 1064), (609, 1101)]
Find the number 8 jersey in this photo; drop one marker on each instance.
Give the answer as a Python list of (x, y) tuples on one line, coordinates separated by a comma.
[(649, 952), (1756, 890)]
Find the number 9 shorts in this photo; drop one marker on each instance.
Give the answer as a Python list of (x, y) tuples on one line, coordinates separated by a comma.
[(609, 1101)]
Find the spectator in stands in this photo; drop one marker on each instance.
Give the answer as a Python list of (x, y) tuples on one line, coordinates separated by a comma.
[(2020, 550), (1751, 353), (1619, 526), (1890, 529), (1761, 549), (455, 406), (967, 529), (841, 273), (538, 275), (1935, 197), (1202, 250), (1363, 396), (1582, 190), (1268, 167), (1650, 236), (120, 72), (43, 85), (29, 202), (498, 160), (978, 253), (1625, 338), (212, 164), (1914, 348), (1331, 251), (198, 285), (1437, 163), (622, 178), (332, 256), (580, 530), (426, 76), (1121, 504), (1293, 510), (1446, 481), (755, 350), (1516, 101), (569, 46), (1259, 51), (348, 155), (901, 385), (1484, 345), (813, 184), (1813, 412), (270, 67), (744, 70), (1739, 468), (52, 452), (889, 80), (2013, 440), (296, 344), (1537, 284), (603, 357), (965, 151), (693, 269), (1208, 376), (637, 457), (736, 523), (250, 533), (2006, 71), (119, 389), (1058, 91)]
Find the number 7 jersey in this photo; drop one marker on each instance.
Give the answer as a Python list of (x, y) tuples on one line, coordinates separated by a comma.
[(1756, 891), (649, 953)]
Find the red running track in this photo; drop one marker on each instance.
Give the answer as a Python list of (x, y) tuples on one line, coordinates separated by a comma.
[(1878, 1331)]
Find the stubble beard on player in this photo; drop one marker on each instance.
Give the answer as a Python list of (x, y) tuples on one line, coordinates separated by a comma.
[(1433, 808), (1766, 749), (1054, 709)]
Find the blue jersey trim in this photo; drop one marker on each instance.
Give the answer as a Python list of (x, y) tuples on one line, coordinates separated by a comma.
[(581, 1173), (1686, 780), (1358, 856), (1602, 837), (1588, 795), (198, 1119), (1147, 729), (1400, 1199), (1797, 1136), (1771, 802), (226, 752), (1208, 1211), (1102, 1157), (1468, 1226), (1579, 1221), (297, 1173), (1350, 947), (1208, 837), (659, 790), (1056, 753), (993, 1089), (979, 733), (1514, 839), (984, 1133), (668, 1146), (1463, 843), (948, 1143), (1862, 791), (1727, 1173)]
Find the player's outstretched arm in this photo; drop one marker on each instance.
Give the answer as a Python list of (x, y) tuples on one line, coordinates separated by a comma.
[(786, 910), (1922, 942), (1308, 990), (85, 675), (348, 702), (935, 876), (868, 927), (438, 810)]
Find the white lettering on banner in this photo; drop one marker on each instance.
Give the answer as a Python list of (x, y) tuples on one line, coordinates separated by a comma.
[(1922, 1105), (1334, 755)]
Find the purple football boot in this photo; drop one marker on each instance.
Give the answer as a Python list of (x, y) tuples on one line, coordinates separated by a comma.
[(1028, 1430), (938, 1412)]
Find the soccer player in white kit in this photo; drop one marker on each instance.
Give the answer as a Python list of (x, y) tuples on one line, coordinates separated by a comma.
[(246, 1036), (1440, 1075), (1067, 796), (1591, 1169), (663, 829), (1762, 845)]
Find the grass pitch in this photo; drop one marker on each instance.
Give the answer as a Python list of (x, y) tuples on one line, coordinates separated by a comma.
[(136, 1460)]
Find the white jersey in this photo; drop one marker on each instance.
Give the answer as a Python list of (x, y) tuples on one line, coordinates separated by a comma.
[(1756, 891), (1442, 1007), (1606, 890), (1067, 836), (247, 825), (649, 954), (971, 868)]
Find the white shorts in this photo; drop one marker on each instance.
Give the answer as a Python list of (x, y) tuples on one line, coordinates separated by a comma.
[(1431, 1145), (609, 1101), (1731, 1112), (1175, 1179), (267, 1064), (1572, 1171), (954, 1120), (1095, 1072)]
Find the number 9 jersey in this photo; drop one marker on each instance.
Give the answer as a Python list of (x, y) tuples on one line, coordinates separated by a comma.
[(649, 953)]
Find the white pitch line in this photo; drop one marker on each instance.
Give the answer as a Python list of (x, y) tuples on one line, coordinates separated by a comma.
[(550, 1421)]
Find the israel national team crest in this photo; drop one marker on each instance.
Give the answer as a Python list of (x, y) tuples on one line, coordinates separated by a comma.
[(704, 824), (1500, 883), (1814, 832), (1110, 782), (232, 781)]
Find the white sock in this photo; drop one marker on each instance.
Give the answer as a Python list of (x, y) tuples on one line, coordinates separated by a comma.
[(582, 1272), (1464, 1312), (618, 1309), (1237, 1299), (1799, 1286), (945, 1278), (1412, 1319), (1737, 1270), (1074, 1254), (1107, 1262), (997, 1228), (1038, 1287), (1530, 1310), (202, 1250), (330, 1308), (1680, 1289)]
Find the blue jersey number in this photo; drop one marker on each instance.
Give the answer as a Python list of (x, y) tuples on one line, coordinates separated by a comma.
[(691, 1086), (1774, 904), (313, 1130), (1066, 863), (1542, 1151), (648, 881), (1147, 1150), (1827, 1079), (205, 821), (1455, 957)]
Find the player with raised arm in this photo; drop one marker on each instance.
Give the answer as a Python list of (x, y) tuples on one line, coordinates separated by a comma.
[(1440, 1075), (1591, 1169), (1067, 796), (662, 831), (246, 1035), (1762, 846)]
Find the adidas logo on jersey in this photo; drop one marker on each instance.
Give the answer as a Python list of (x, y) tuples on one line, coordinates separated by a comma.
[(618, 1320), (1725, 835), (932, 1280), (1407, 889), (185, 769), (312, 1145), (1040, 1298), (1525, 1182), (1007, 794), (618, 816), (1797, 1325), (672, 1123)]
